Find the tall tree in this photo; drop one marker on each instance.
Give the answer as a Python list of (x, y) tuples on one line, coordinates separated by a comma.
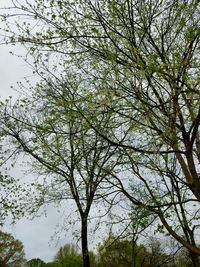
[(141, 58), (66, 152)]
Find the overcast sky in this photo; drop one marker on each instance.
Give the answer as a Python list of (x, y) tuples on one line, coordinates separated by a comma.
[(35, 235)]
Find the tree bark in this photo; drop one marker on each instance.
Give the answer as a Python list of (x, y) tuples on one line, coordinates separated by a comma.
[(84, 242)]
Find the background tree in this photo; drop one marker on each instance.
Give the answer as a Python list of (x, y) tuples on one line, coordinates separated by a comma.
[(35, 263), (157, 253), (11, 251), (115, 252), (67, 256), (183, 259)]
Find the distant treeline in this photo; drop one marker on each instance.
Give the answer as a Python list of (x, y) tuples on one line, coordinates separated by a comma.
[(116, 252)]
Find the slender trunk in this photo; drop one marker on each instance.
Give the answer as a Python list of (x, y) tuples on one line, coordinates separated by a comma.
[(195, 259), (134, 252), (84, 242)]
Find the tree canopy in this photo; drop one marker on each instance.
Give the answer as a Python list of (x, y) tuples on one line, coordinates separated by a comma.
[(136, 67), (11, 251), (35, 263)]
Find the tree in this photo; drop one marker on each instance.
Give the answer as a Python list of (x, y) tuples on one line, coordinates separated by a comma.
[(68, 256), (157, 255), (114, 252), (143, 62), (35, 263), (65, 151), (183, 259), (11, 251)]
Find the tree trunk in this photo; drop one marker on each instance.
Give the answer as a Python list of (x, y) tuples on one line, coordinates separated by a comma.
[(194, 259), (84, 243)]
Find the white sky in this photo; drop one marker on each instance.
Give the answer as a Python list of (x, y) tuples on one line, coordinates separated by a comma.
[(35, 235)]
